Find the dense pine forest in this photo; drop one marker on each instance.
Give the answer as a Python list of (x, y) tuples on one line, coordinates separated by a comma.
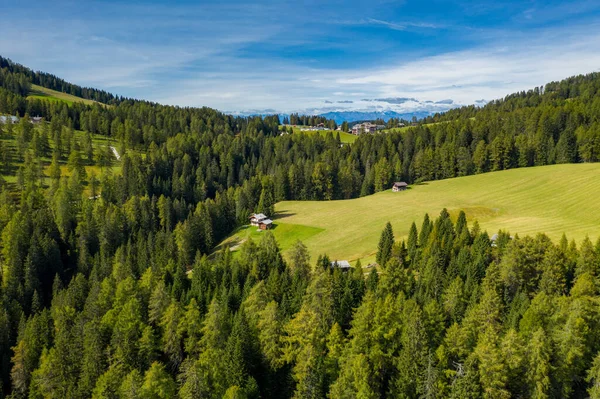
[(110, 287)]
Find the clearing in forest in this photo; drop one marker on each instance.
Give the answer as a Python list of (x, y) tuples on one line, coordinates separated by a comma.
[(549, 199), (43, 93)]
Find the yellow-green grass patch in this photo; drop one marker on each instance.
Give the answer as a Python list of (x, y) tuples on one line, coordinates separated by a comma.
[(345, 138), (551, 199), (286, 235), (42, 93)]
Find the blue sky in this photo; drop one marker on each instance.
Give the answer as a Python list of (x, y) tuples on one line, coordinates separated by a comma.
[(305, 55)]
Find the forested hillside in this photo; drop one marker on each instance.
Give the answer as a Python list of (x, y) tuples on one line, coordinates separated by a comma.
[(449, 316), (55, 83), (107, 290)]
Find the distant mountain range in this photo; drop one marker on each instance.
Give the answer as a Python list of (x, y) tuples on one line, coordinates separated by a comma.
[(370, 109)]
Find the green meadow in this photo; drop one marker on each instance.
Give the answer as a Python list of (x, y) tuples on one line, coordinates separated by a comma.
[(549, 199), (346, 138), (42, 93), (286, 235)]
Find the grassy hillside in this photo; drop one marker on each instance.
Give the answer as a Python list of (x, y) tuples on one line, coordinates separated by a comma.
[(396, 129), (346, 138), (43, 93), (286, 235), (405, 128), (549, 199)]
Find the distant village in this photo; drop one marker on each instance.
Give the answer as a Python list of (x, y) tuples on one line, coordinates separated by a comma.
[(365, 128), (357, 129)]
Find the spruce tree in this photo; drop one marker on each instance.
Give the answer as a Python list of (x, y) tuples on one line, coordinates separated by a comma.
[(593, 378), (300, 260), (466, 383), (158, 383), (372, 280), (413, 239), (386, 242), (266, 203), (461, 223), (538, 376)]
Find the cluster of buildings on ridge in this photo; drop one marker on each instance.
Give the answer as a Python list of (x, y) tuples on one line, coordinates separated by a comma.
[(367, 127), (357, 129), (4, 119)]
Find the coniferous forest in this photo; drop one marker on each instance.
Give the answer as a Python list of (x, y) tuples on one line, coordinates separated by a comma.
[(111, 287)]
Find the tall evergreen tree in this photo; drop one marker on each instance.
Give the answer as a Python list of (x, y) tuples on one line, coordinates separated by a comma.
[(386, 242)]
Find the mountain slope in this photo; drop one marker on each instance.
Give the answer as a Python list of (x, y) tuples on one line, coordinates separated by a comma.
[(354, 116), (43, 93), (550, 199), (52, 82)]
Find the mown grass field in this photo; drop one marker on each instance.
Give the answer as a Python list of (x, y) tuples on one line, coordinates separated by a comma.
[(346, 138), (550, 199), (396, 129), (286, 235), (405, 128), (43, 93)]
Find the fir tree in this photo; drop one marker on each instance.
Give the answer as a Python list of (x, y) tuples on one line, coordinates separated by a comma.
[(386, 242)]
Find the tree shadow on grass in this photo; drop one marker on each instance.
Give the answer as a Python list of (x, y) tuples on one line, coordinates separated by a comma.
[(230, 242), (284, 214)]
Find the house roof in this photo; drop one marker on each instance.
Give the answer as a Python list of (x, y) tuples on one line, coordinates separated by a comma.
[(258, 216), (342, 264), (400, 184), (5, 118), (266, 221)]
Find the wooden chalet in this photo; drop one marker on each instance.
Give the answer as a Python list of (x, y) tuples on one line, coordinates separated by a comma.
[(256, 218), (399, 186), (261, 221), (265, 224), (4, 119)]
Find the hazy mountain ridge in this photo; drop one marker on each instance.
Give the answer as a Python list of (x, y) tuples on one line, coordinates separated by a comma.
[(354, 116), (370, 109)]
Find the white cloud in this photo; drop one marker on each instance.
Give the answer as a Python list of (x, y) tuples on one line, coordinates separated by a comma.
[(490, 73), (208, 59), (401, 25), (465, 76)]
